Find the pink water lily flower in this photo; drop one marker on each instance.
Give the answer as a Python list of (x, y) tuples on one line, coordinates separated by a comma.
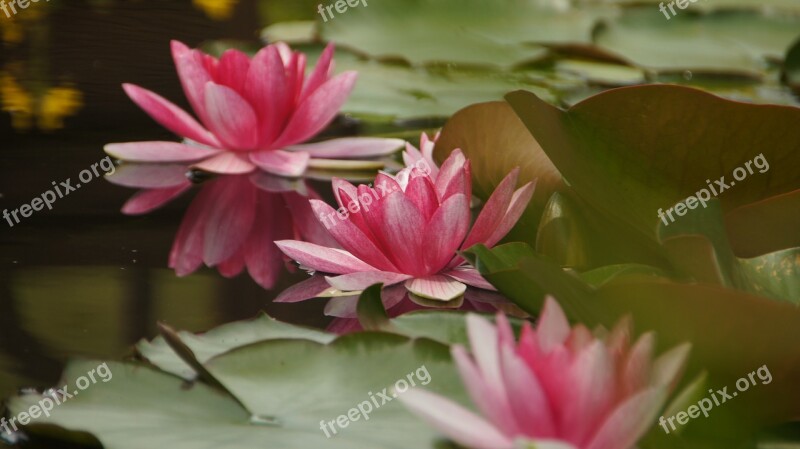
[(557, 388), (405, 233), (253, 113)]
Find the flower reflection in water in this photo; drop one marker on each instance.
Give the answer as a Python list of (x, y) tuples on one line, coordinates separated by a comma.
[(233, 220)]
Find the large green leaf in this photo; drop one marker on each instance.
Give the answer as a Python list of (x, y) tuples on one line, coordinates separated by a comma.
[(632, 151), (287, 387)]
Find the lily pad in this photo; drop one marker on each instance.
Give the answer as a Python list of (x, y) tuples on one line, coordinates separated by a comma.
[(726, 41), (222, 339), (287, 386), (468, 32)]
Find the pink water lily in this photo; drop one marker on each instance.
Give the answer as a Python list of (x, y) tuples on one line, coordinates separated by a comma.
[(253, 113), (405, 232), (557, 388), (233, 220)]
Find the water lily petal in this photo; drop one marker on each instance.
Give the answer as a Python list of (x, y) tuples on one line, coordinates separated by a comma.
[(445, 232), (226, 163), (350, 147), (320, 258), (317, 110), (230, 117), (282, 163), (267, 89), (157, 152), (362, 280), (458, 423), (310, 288), (169, 115)]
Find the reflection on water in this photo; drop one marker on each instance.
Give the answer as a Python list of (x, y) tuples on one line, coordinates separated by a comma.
[(82, 280)]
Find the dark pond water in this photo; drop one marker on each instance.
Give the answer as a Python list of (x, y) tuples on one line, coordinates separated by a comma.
[(82, 280)]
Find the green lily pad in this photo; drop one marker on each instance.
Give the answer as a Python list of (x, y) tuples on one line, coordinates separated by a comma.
[(469, 32), (729, 41), (287, 386), (222, 339)]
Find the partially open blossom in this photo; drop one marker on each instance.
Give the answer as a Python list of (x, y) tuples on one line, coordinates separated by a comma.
[(253, 113), (232, 222), (557, 388), (405, 233)]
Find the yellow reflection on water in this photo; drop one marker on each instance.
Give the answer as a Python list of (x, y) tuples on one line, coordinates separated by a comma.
[(216, 9)]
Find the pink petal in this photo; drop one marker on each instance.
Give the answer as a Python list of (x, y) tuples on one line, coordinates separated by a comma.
[(230, 117), (146, 201), (668, 367), (458, 423), (149, 176), (227, 163), (310, 288), (230, 220), (402, 223), (527, 398), (553, 328), (629, 421), (321, 72), (636, 369), (341, 184), (445, 232), (452, 167), (169, 115), (267, 89), (493, 211), (362, 280), (350, 147), (193, 76), (280, 162), (490, 398), (353, 239), (422, 193), (460, 184), (157, 152), (591, 393), (320, 258), (519, 201), (471, 277), (317, 110), (232, 69), (483, 340), (356, 213)]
